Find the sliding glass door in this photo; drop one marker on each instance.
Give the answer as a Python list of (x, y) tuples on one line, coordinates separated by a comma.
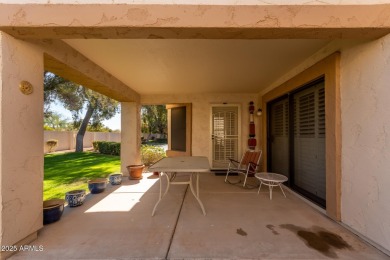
[(296, 141)]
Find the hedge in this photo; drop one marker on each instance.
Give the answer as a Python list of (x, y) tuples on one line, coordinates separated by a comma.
[(110, 148), (151, 154)]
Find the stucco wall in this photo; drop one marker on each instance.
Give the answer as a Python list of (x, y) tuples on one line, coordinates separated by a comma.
[(220, 2), (201, 116), (365, 95), (21, 140)]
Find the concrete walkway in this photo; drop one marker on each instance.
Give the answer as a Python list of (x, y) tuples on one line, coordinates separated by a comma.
[(239, 224)]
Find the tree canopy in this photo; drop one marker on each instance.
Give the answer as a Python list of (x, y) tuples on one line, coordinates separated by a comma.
[(78, 99), (154, 119), (55, 121)]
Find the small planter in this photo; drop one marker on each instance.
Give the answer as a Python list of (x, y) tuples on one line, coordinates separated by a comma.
[(52, 210), (75, 198), (115, 179), (97, 185), (135, 171)]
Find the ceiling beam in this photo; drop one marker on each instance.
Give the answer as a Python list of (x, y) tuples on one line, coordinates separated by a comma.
[(149, 21), (64, 61)]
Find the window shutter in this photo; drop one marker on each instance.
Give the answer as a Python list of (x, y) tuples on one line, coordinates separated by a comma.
[(225, 135), (309, 140)]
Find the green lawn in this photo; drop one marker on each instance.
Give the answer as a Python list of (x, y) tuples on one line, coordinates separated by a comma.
[(70, 171)]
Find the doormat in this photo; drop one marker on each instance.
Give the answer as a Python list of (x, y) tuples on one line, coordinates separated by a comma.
[(223, 173)]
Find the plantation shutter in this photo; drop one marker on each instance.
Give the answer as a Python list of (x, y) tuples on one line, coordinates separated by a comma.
[(309, 140), (225, 135), (280, 137)]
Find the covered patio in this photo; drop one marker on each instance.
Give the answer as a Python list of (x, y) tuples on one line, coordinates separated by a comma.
[(209, 59), (239, 224)]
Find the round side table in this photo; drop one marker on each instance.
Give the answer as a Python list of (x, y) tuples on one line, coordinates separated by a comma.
[(271, 180)]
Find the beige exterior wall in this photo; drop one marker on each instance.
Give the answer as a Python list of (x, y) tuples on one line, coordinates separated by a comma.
[(365, 95), (205, 2), (21, 139), (201, 116)]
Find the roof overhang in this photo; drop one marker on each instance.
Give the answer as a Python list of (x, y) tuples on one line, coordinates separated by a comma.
[(123, 68), (145, 21)]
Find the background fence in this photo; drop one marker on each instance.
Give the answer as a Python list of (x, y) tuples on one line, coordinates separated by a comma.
[(67, 139)]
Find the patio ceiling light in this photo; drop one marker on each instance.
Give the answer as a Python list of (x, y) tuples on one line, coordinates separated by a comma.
[(259, 112)]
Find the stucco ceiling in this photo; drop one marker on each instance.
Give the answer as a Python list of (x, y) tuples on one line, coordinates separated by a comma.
[(166, 66)]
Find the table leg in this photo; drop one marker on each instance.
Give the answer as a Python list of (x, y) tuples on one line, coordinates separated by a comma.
[(196, 193), (197, 185), (280, 186), (270, 191), (160, 194), (261, 182), (168, 183)]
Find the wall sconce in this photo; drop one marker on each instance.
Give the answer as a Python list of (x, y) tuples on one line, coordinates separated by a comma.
[(259, 112)]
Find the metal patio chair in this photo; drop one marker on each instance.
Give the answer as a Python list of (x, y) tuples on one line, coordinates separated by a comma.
[(249, 164)]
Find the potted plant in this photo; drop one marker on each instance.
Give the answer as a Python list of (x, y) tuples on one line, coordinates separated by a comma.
[(97, 185), (52, 210), (75, 197), (115, 178), (135, 171)]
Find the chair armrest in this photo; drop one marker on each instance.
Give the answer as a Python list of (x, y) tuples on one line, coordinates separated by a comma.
[(252, 167), (232, 160), (254, 164)]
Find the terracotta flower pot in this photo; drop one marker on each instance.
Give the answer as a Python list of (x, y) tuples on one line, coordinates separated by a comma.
[(135, 171)]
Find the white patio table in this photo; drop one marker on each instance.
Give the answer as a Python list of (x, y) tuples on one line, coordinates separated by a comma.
[(170, 166)]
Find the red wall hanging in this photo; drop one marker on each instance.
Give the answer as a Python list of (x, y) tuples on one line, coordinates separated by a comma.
[(252, 130)]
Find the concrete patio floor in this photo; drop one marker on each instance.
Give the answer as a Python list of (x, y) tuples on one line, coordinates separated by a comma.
[(239, 224)]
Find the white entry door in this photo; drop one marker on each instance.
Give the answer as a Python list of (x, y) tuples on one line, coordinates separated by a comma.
[(224, 135)]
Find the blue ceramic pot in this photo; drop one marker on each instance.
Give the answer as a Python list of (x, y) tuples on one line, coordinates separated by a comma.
[(115, 179), (52, 210), (97, 185), (75, 198)]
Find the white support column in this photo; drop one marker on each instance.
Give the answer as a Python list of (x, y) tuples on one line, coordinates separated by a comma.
[(130, 134), (21, 139)]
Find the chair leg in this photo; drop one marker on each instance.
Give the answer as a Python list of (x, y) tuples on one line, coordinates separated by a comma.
[(246, 176), (227, 174)]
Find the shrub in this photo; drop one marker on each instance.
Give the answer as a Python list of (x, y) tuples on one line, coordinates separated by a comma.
[(52, 143), (151, 154), (111, 148), (95, 145)]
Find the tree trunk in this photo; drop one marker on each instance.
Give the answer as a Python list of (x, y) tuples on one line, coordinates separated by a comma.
[(82, 129)]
